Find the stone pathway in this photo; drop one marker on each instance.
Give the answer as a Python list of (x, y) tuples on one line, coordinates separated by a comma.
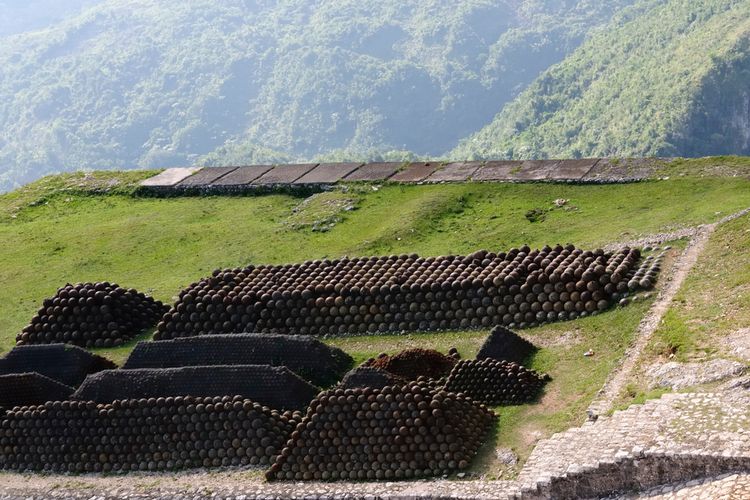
[(617, 380), (681, 436)]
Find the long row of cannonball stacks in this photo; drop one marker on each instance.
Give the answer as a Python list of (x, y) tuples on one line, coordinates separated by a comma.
[(92, 315), (519, 288), (142, 435), (393, 433)]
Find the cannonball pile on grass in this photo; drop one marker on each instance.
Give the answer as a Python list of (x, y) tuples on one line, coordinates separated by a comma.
[(646, 274), (518, 288), (66, 364), (405, 432), (274, 386), (306, 356), (494, 382), (156, 434), (504, 344), (92, 315)]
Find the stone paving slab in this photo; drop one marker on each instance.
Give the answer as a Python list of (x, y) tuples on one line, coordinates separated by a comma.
[(587, 170), (618, 169), (205, 176), (572, 169), (374, 172), (455, 172), (242, 175), (536, 170), (169, 177), (498, 170), (284, 174), (415, 172), (327, 173)]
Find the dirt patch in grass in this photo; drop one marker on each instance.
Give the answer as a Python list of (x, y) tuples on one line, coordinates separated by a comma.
[(322, 211)]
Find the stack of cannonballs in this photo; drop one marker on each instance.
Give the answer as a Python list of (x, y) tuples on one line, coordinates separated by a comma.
[(30, 388), (520, 288), (645, 276), (411, 364), (494, 382), (306, 356), (402, 432), (274, 386), (505, 345), (142, 435), (66, 364), (92, 315)]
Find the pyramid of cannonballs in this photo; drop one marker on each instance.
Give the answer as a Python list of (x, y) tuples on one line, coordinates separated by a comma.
[(520, 288), (411, 364), (66, 364), (18, 389), (92, 315), (274, 386), (141, 435), (503, 344), (306, 356), (402, 432), (494, 382), (646, 274)]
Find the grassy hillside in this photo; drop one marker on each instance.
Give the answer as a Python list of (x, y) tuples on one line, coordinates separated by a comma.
[(53, 236), (133, 83), (79, 227), (700, 323), (665, 78)]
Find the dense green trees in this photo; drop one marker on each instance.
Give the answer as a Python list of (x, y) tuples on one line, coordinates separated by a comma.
[(665, 78), (156, 83), (152, 83)]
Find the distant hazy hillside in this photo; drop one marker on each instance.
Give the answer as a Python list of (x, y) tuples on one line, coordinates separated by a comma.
[(17, 16), (154, 83), (667, 78)]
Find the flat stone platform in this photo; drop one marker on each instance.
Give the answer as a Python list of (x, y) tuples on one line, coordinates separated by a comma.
[(314, 175)]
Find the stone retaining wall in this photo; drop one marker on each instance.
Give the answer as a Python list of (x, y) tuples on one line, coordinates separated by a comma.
[(634, 474)]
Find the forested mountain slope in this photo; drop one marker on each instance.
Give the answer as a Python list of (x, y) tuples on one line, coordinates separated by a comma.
[(155, 83), (666, 78)]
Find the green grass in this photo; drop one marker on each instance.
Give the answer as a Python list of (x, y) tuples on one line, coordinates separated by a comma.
[(713, 302), (711, 166), (161, 245)]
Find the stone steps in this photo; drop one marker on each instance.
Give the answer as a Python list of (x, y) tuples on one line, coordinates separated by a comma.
[(677, 437)]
